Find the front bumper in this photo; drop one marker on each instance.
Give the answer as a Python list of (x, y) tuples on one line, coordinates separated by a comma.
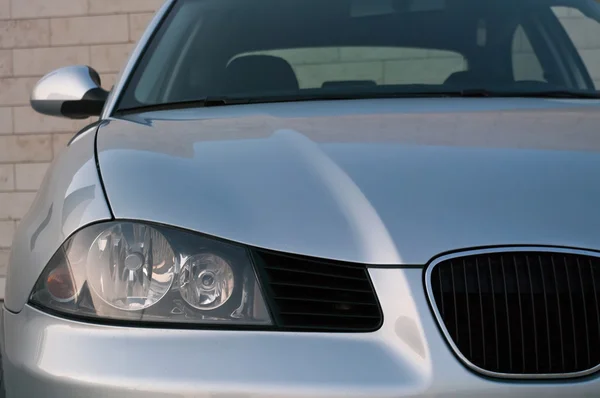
[(408, 357)]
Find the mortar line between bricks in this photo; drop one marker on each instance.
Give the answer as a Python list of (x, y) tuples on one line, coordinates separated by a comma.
[(62, 45), (4, 163), (14, 170), (12, 117), (42, 133), (72, 46), (112, 14), (40, 76)]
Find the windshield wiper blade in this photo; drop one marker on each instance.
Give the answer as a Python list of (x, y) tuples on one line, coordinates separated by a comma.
[(478, 93), (206, 102), (216, 101), (466, 93), (556, 94), (225, 101)]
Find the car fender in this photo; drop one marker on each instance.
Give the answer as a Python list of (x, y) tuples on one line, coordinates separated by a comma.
[(70, 197)]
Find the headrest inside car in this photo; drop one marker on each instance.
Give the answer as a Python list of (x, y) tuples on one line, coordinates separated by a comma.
[(259, 74), (349, 83)]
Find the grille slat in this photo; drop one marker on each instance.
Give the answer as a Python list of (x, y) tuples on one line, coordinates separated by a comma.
[(316, 314), (306, 272), (535, 336), (559, 312), (547, 313), (307, 294), (521, 322), (572, 310), (442, 298), (494, 312), (522, 313), (595, 295), (585, 314), (479, 291), (315, 286), (509, 336), (369, 303), (464, 265), (454, 303)]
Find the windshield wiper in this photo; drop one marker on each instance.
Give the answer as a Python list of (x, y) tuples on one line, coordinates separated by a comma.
[(206, 102), (563, 94), (467, 93), (524, 94)]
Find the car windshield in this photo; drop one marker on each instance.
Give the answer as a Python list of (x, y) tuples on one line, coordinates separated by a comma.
[(265, 50)]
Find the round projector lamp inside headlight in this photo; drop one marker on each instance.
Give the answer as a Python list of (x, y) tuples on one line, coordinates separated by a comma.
[(206, 281), (130, 266)]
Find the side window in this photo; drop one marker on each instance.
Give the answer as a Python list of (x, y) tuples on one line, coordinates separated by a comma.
[(526, 65), (585, 34), (315, 67)]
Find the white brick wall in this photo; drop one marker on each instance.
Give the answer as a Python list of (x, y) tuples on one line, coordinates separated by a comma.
[(37, 36)]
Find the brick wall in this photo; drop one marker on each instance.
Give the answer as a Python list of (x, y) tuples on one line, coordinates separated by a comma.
[(37, 36)]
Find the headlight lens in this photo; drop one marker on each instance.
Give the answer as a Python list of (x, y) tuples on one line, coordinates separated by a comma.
[(206, 281), (136, 271), (130, 266)]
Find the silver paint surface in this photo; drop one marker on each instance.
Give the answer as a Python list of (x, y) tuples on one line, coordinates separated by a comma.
[(387, 182), (407, 357), (69, 198), (384, 182), (70, 83)]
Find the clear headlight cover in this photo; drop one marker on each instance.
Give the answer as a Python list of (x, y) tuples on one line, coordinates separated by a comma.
[(142, 272)]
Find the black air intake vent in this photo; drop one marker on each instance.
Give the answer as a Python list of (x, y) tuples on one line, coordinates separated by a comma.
[(522, 313), (309, 294)]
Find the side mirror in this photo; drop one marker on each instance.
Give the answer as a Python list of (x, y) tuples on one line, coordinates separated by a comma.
[(73, 92)]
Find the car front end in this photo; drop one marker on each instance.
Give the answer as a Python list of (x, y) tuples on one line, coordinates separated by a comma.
[(244, 221), (450, 296), (407, 357)]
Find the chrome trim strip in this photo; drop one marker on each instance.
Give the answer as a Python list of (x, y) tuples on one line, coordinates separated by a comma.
[(447, 336), (125, 74)]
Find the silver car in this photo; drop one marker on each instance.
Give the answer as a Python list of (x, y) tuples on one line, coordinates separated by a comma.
[(307, 198)]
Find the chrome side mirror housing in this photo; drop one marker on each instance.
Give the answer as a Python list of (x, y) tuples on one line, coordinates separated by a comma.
[(73, 92)]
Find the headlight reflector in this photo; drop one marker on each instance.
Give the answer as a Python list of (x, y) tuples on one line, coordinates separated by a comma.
[(206, 281), (130, 266), (141, 272)]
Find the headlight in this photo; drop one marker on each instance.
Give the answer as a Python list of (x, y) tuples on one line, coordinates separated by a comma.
[(141, 272)]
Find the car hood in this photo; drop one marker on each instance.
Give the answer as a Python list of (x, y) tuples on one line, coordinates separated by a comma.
[(383, 182)]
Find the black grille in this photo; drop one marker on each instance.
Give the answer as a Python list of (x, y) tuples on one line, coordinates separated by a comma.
[(523, 313), (307, 294)]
